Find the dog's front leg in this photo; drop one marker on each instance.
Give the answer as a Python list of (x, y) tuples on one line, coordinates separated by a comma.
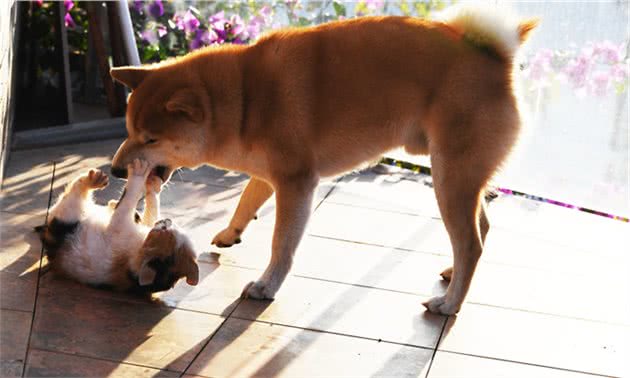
[(151, 212), (294, 199), (125, 210), (254, 196)]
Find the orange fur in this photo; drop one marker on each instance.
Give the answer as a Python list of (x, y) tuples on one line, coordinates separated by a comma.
[(301, 104)]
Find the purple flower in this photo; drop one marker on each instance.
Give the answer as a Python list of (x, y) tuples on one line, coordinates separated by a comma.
[(188, 23), (138, 6), (69, 4), (156, 9), (203, 38)]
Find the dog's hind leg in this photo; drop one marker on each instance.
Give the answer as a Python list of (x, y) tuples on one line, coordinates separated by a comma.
[(254, 196), (459, 191), (484, 226)]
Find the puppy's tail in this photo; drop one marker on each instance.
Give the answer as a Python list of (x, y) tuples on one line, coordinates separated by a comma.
[(489, 28)]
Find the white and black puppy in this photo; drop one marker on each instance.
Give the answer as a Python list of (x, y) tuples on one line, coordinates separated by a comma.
[(112, 246)]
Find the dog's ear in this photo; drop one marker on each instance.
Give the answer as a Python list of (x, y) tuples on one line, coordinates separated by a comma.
[(130, 76), (146, 275), (185, 101)]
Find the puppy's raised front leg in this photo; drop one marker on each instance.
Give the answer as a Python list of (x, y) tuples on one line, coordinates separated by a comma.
[(294, 199), (151, 212), (125, 210), (72, 202), (254, 196)]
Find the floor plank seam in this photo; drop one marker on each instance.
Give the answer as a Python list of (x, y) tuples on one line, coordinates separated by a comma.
[(400, 212), (427, 295), (332, 188), (81, 355), (15, 309), (437, 345), (192, 361), (529, 364), (403, 250), (332, 333), (39, 268)]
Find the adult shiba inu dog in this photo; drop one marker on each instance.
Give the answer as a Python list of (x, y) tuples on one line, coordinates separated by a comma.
[(306, 103), (112, 246)]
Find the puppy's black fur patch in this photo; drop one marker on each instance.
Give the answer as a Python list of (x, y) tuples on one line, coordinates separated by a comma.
[(54, 234), (164, 278)]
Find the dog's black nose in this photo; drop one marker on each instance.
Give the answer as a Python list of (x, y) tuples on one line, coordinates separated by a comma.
[(119, 172)]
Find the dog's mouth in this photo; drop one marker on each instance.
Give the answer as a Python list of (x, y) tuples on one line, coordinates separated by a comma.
[(162, 172)]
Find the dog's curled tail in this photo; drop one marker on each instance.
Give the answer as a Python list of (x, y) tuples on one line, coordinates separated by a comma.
[(493, 28)]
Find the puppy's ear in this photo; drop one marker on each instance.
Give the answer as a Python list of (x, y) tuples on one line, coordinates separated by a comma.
[(130, 76), (146, 275), (190, 269), (185, 101), (41, 228)]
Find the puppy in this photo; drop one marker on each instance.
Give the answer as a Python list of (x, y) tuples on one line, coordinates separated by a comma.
[(112, 246), (301, 104)]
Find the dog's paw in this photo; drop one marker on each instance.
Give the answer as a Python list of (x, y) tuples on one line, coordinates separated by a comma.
[(440, 305), (447, 274), (153, 184), (95, 179), (227, 238), (139, 168), (258, 290)]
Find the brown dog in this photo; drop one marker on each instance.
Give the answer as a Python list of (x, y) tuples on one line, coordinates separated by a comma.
[(306, 103)]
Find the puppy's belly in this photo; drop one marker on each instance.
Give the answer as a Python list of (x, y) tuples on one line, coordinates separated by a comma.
[(86, 256)]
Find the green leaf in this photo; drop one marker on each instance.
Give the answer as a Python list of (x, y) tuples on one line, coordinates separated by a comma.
[(340, 9)]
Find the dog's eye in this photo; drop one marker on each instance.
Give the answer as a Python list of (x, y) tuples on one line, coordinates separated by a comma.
[(151, 141)]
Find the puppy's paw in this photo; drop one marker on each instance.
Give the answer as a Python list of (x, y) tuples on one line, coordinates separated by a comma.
[(258, 290), (447, 274), (153, 184), (440, 305), (227, 238), (139, 168), (95, 179)]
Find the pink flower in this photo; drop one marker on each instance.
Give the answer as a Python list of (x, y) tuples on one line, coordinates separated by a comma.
[(161, 30), (609, 52), (373, 5), (599, 83), (150, 36), (68, 21), (577, 70)]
